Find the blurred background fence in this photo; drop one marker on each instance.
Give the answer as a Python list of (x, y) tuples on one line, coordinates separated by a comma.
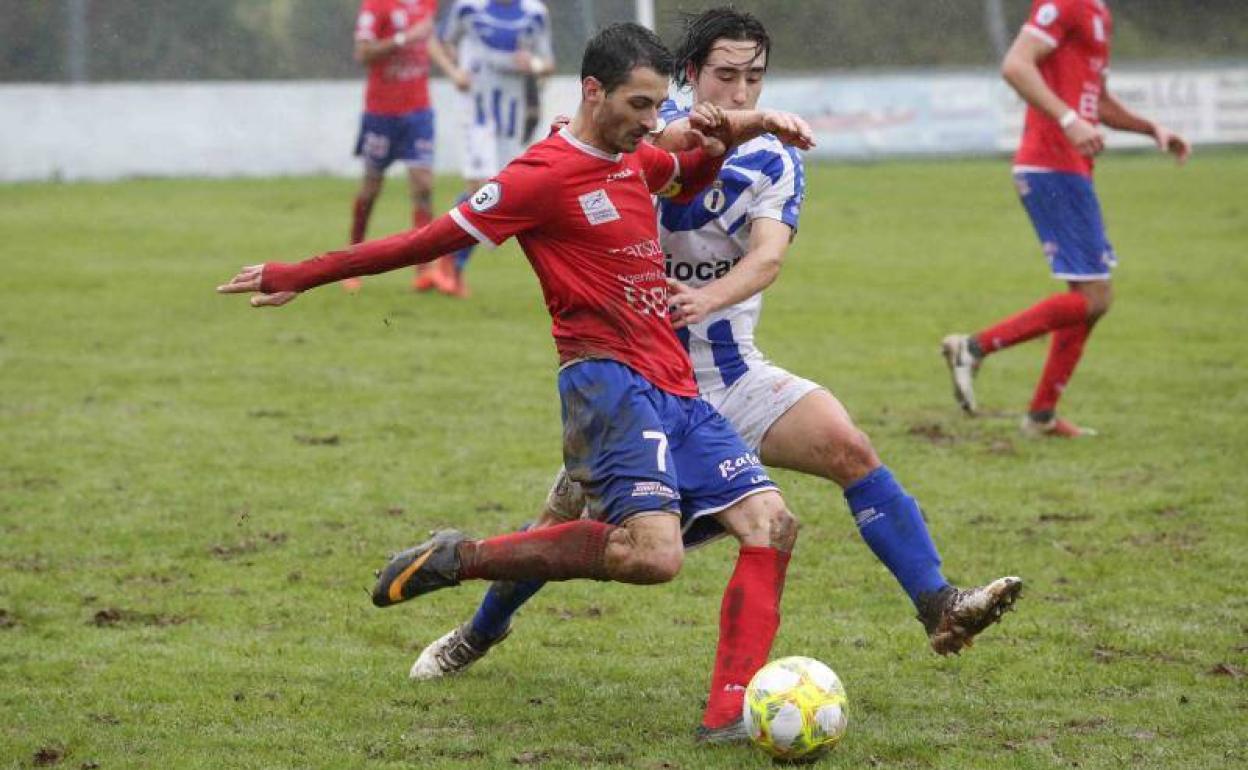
[(106, 88), (128, 40)]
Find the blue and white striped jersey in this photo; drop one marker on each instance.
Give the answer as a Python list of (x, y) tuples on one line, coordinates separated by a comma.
[(487, 34), (703, 239)]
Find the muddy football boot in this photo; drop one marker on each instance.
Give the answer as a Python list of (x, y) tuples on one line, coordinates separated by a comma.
[(953, 617), (453, 653), (963, 365)]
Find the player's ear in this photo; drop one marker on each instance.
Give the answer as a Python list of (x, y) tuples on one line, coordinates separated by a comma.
[(691, 73), (592, 90)]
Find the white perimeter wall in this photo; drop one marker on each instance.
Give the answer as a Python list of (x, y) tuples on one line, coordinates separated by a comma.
[(100, 132)]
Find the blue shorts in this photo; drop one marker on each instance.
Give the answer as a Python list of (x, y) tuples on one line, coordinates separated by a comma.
[(637, 449), (1067, 217), (386, 138)]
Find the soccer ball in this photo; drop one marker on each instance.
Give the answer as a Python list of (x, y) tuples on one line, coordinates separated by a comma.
[(795, 708)]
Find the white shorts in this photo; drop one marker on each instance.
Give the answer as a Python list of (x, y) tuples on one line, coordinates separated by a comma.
[(761, 397), (487, 149)]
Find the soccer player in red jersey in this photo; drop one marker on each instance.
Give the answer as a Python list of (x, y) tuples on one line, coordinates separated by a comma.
[(658, 464), (395, 40), (1058, 64)]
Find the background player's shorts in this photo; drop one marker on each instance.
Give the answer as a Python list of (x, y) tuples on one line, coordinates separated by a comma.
[(754, 402), (386, 138), (494, 132), (1067, 217), (637, 449)]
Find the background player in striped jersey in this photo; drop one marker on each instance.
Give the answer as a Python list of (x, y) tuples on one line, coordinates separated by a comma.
[(1058, 64), (394, 39), (502, 45), (723, 249)]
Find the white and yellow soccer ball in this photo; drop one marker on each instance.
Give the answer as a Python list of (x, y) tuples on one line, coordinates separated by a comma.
[(795, 708)]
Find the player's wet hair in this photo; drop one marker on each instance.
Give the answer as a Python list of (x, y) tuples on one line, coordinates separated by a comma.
[(703, 29), (618, 49)]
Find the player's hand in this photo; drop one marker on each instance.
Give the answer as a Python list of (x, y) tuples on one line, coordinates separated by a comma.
[(248, 281), (558, 123), (687, 304), (1168, 141), (461, 79), (1085, 137), (790, 128), (707, 127)]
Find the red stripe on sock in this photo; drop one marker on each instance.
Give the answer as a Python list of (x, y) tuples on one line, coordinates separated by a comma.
[(568, 551), (748, 620), (1065, 350), (1055, 312)]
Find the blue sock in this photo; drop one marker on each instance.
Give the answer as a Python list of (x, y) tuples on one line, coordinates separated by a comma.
[(892, 525), (461, 256), (500, 603)]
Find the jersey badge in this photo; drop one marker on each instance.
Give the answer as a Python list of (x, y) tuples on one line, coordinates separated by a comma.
[(715, 200), (598, 208), (1046, 15), (486, 198)]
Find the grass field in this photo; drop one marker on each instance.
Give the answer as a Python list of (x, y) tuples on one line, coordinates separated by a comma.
[(194, 494)]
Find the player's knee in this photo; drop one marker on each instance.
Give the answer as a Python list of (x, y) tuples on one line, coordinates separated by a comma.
[(784, 529), (659, 563), (565, 501), (846, 454), (1099, 304), (644, 561)]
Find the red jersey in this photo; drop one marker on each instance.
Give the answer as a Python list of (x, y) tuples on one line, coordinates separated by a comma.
[(398, 83), (1080, 31), (586, 221)]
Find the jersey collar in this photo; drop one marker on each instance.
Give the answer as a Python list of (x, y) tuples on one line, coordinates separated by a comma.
[(588, 149)]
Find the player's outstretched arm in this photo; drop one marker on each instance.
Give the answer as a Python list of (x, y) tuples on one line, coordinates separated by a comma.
[(732, 127), (1115, 114), (279, 282), (1021, 70)]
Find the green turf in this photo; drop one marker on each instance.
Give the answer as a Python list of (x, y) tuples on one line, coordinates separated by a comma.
[(194, 494)]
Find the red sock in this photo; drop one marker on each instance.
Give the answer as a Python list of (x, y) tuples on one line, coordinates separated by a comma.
[(748, 620), (1064, 353), (576, 549), (362, 210), (1060, 310), (421, 217)]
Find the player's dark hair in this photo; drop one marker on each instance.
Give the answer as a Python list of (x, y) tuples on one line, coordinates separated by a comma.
[(618, 49), (703, 29)]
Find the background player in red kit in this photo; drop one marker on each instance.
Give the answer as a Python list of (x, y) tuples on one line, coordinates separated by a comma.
[(659, 466), (1058, 64), (395, 39)]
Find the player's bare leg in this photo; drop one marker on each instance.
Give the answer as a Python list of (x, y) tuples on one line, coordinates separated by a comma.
[(818, 437), (362, 211), (749, 614), (645, 550)]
